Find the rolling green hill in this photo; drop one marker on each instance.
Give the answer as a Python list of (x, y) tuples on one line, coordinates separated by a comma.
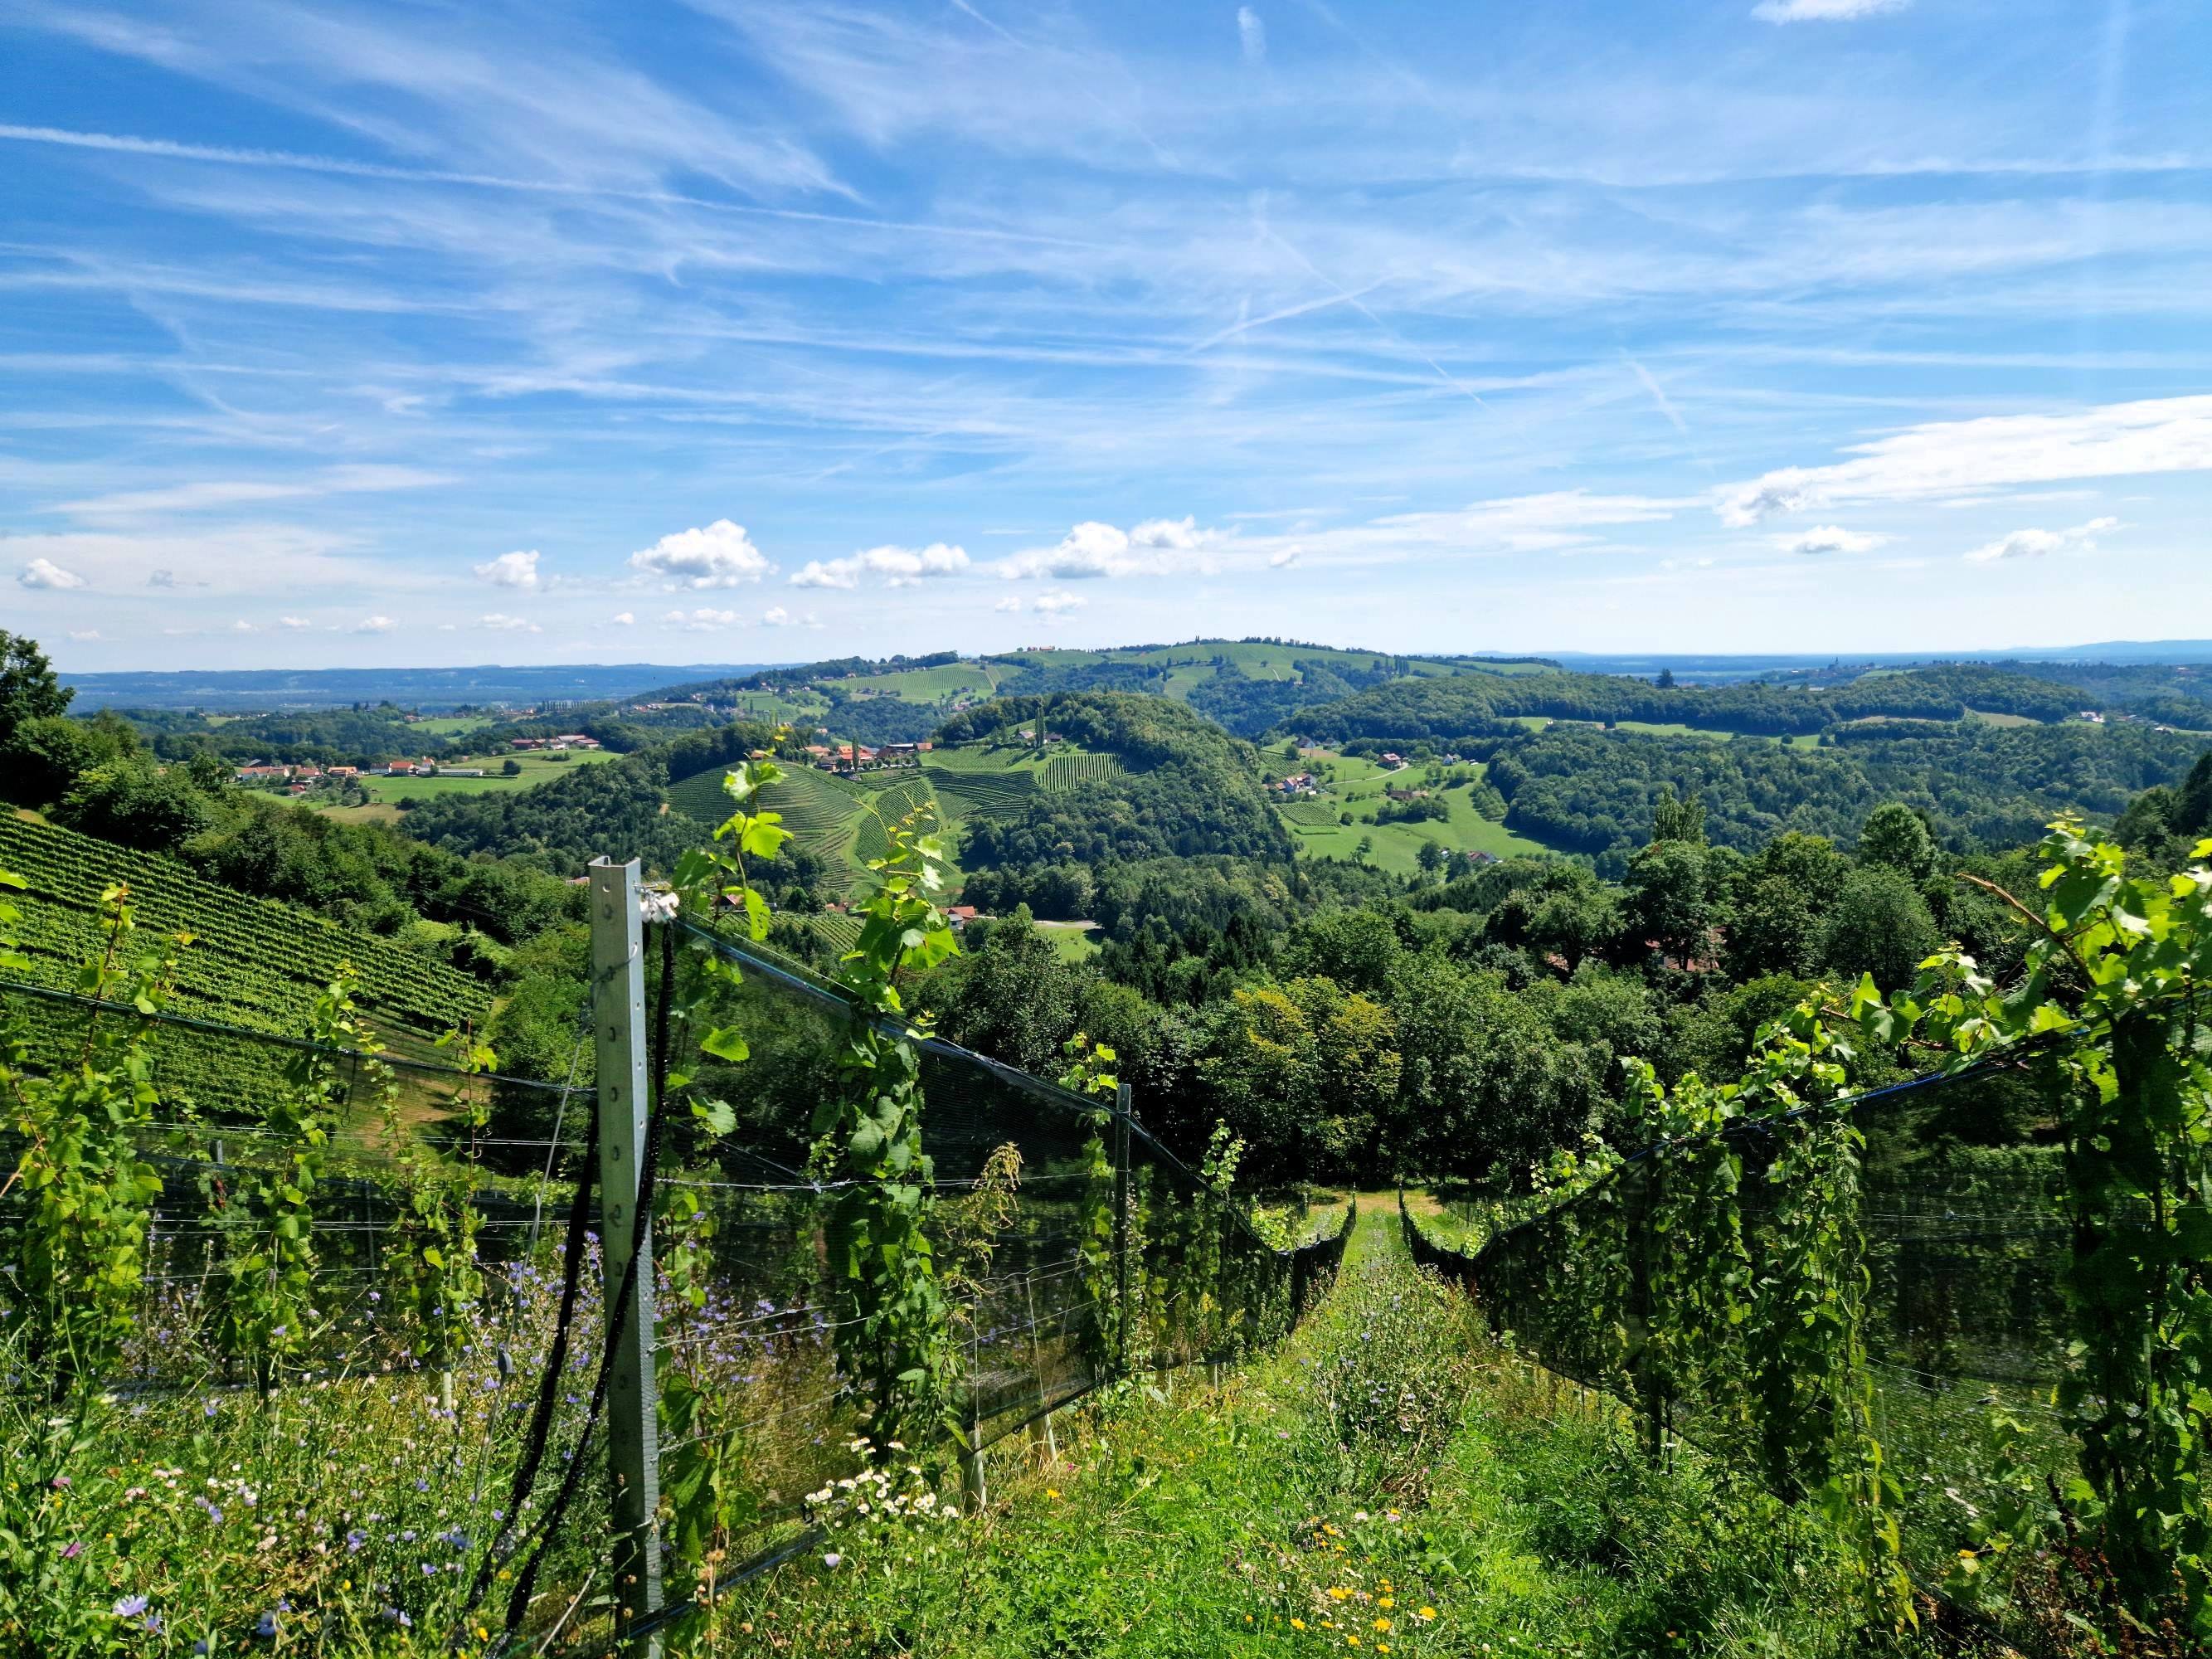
[(1463, 708)]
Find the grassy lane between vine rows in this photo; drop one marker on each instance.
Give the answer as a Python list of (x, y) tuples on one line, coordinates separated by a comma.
[(1387, 1482)]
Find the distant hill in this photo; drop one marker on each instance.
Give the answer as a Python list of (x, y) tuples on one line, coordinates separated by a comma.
[(1470, 707), (430, 690)]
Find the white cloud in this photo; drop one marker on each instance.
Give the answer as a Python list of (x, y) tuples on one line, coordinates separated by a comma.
[(374, 625), (500, 622), (242, 626), (623, 618), (1282, 558), (1831, 538), (900, 567), (704, 620), (1048, 605), (294, 621), (720, 555), (218, 493), (1560, 522), (1949, 457), (171, 579), (1251, 33), (1154, 548), (2035, 544), (1822, 11), (511, 570), (45, 573), (84, 636), (776, 616)]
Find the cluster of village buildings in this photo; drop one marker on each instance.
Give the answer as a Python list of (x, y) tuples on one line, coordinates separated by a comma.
[(305, 775), (847, 758)]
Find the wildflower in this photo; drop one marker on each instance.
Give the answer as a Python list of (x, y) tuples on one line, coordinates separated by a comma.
[(1338, 1593), (1385, 1602), (71, 1550), (1383, 1624), (1427, 1612), (60, 1483), (1052, 1492), (833, 1560), (130, 1607), (1297, 1624), (266, 1625)]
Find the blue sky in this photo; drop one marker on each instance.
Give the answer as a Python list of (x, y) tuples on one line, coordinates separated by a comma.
[(409, 333)]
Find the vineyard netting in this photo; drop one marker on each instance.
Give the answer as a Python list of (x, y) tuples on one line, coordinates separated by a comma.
[(1959, 1255), (425, 1256)]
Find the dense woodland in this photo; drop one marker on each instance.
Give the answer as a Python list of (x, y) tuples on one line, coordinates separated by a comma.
[(1347, 1024)]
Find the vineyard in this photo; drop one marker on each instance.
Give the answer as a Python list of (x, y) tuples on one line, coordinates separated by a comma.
[(248, 1296), (253, 963), (1310, 814), (872, 839), (1065, 771), (969, 790)]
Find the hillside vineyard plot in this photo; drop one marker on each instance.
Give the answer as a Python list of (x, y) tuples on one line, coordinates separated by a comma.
[(252, 962), (964, 790)]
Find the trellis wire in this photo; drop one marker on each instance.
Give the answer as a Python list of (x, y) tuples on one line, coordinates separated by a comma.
[(1963, 1310)]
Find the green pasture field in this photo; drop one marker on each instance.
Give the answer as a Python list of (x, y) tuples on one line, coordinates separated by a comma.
[(451, 726), (929, 686), (1357, 785), (1075, 941), (1986, 718), (385, 793)]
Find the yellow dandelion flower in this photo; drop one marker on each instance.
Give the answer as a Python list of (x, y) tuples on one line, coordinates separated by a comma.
[(1052, 1492), (1383, 1624), (1338, 1593), (1428, 1613), (1297, 1624), (1385, 1600), (1352, 1641)]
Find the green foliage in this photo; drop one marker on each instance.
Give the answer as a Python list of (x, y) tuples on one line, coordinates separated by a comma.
[(78, 1249), (28, 688), (266, 1216), (2112, 984), (894, 1337), (1088, 1073)]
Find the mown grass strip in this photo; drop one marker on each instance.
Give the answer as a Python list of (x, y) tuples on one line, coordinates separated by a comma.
[(1387, 1483)]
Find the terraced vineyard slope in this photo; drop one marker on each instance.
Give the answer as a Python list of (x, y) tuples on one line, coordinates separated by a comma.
[(253, 963)]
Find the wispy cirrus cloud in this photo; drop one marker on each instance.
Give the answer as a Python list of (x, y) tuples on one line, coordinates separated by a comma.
[(217, 495), (1941, 457), (1822, 11)]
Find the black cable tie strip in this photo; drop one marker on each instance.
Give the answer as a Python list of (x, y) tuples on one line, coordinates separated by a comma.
[(556, 1361), (517, 1601), (216, 1028)]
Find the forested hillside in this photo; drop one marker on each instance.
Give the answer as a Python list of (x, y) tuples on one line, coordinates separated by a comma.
[(1183, 789), (1463, 708), (1586, 791)]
